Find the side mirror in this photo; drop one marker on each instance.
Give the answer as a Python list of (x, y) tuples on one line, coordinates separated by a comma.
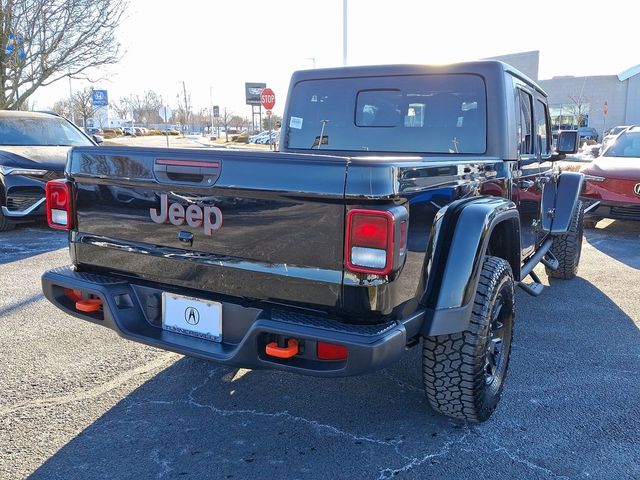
[(568, 142), (97, 138)]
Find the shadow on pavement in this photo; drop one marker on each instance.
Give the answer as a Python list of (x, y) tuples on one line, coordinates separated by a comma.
[(570, 408), (29, 240), (618, 239), (21, 305)]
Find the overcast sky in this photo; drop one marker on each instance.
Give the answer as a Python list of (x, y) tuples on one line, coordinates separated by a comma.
[(222, 44)]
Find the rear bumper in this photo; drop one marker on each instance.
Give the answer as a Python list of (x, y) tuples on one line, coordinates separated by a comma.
[(133, 311)]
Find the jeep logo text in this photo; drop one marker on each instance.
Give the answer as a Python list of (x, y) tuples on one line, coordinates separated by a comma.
[(195, 215)]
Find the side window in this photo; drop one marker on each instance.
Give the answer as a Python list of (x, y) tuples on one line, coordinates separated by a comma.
[(525, 122), (542, 128)]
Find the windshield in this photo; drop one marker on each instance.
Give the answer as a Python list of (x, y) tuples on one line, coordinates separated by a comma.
[(39, 131), (616, 130), (413, 114), (626, 145)]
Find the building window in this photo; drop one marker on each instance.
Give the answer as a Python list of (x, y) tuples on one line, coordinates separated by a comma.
[(567, 116)]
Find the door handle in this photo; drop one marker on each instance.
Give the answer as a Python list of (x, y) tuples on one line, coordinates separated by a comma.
[(525, 184)]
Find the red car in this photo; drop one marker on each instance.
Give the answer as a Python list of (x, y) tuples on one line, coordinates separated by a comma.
[(613, 180)]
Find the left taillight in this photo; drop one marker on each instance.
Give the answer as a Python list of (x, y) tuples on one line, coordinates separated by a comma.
[(59, 204)]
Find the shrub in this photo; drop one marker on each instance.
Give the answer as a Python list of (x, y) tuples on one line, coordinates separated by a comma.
[(240, 138)]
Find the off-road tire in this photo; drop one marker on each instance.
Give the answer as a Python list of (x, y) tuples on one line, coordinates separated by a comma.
[(454, 366), (567, 248), (4, 223)]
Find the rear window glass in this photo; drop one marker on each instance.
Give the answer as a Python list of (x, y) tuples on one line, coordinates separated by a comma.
[(405, 114)]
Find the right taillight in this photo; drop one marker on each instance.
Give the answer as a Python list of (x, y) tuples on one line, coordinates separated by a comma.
[(331, 351), (375, 241), (58, 200)]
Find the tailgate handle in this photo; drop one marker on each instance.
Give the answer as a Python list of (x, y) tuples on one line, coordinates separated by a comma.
[(186, 172)]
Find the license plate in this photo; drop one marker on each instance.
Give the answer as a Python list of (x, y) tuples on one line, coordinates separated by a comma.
[(192, 316)]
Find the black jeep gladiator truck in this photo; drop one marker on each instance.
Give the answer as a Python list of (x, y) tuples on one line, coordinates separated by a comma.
[(404, 206)]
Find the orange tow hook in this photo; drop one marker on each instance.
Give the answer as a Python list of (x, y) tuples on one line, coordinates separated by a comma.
[(90, 305), (289, 351)]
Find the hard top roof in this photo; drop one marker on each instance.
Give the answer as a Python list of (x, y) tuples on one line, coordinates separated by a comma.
[(479, 67)]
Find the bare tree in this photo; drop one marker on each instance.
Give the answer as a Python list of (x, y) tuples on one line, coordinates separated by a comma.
[(183, 111), (578, 107), (62, 107), (43, 41), (121, 108), (82, 104), (237, 122), (80, 107), (144, 108), (274, 119), (226, 121), (203, 118)]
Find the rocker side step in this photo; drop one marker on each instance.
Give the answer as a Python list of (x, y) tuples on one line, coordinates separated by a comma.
[(535, 288), (550, 261)]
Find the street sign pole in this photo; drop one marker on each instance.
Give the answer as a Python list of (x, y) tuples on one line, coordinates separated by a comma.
[(268, 100), (270, 139)]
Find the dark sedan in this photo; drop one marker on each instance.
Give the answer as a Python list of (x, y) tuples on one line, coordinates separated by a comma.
[(613, 180), (33, 150)]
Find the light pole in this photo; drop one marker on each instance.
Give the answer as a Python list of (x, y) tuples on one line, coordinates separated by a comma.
[(210, 110), (344, 32), (71, 99), (186, 105)]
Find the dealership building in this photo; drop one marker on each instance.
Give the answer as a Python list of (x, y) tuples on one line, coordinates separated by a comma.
[(601, 101)]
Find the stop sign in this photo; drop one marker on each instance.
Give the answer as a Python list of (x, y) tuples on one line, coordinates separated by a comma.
[(268, 98)]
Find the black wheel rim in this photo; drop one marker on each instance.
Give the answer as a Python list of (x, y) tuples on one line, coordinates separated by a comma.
[(495, 347)]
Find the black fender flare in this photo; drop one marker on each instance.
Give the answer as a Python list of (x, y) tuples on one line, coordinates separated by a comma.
[(459, 241), (559, 200)]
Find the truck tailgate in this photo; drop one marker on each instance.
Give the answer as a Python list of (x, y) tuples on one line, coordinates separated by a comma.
[(259, 225)]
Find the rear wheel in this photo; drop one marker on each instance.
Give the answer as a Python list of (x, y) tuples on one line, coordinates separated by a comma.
[(464, 372), (567, 247)]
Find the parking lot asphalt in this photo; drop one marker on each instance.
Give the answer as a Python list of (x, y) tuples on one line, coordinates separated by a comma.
[(78, 402)]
